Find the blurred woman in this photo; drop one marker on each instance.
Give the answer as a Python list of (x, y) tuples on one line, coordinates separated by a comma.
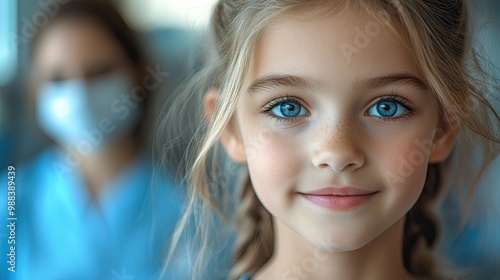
[(84, 205)]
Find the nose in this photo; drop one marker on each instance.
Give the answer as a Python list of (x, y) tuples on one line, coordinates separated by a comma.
[(337, 147)]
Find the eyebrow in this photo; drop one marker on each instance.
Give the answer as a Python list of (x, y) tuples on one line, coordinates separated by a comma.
[(399, 78), (277, 80)]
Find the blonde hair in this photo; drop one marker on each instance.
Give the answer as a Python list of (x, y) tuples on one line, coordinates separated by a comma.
[(438, 37)]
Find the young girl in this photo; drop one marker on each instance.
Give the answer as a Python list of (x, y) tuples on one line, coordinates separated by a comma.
[(347, 118)]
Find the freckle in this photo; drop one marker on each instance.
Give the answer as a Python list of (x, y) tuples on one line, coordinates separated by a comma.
[(341, 128), (321, 135)]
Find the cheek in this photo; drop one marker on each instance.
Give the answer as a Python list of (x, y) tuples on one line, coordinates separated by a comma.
[(403, 164), (273, 162)]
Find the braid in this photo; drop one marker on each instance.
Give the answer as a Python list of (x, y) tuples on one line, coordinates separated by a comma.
[(421, 228), (256, 238)]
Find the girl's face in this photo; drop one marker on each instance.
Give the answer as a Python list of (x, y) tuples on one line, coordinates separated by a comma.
[(336, 126)]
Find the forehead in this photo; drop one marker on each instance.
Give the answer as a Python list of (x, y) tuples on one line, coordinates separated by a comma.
[(335, 48), (76, 43)]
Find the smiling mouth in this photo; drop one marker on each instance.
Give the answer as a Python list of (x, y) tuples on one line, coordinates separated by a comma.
[(339, 199)]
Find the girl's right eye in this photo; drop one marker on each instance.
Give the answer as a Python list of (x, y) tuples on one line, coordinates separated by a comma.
[(286, 109)]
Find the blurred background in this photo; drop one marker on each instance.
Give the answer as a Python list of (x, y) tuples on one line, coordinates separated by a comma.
[(171, 33), (92, 211)]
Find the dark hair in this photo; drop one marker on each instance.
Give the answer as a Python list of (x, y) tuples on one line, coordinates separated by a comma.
[(107, 15)]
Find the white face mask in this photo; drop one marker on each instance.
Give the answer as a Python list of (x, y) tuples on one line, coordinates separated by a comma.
[(87, 116)]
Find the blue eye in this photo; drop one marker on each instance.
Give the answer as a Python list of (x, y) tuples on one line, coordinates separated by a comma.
[(387, 109), (289, 109)]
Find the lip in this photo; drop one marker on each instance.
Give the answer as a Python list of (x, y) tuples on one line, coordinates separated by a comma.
[(339, 198)]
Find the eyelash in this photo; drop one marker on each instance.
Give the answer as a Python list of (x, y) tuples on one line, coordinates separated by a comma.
[(398, 99), (391, 97), (278, 101)]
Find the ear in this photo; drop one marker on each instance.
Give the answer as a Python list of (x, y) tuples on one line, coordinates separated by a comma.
[(230, 137), (444, 140)]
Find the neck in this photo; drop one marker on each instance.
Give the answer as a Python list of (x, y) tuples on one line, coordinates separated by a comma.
[(295, 258), (101, 168)]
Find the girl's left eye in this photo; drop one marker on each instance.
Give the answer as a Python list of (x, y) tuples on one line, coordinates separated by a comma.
[(387, 109), (289, 109)]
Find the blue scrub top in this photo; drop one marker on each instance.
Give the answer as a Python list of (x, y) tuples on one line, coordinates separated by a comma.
[(61, 232)]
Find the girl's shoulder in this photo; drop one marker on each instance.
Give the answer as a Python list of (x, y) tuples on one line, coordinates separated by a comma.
[(247, 276)]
